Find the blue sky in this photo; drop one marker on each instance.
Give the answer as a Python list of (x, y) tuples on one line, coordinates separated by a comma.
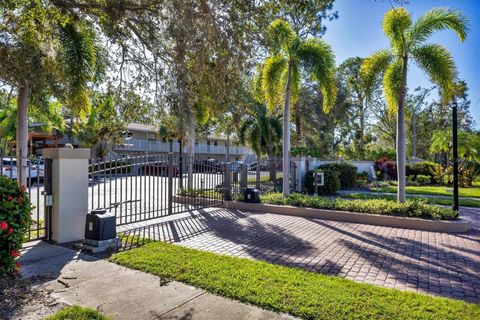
[(358, 32)]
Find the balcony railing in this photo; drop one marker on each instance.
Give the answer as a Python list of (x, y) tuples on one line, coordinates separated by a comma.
[(143, 145)]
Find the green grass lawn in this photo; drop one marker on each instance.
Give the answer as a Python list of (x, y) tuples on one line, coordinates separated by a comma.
[(300, 293), (77, 313), (473, 192), (439, 201)]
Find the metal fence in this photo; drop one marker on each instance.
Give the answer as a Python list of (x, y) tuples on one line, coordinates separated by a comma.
[(265, 175), (35, 174), (141, 187)]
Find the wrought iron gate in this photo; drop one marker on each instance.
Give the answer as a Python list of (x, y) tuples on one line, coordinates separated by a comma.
[(141, 187), (35, 172)]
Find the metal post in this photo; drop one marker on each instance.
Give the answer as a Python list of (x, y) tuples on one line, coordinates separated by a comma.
[(48, 198), (243, 176), (455, 155), (227, 182), (170, 182), (180, 165), (315, 181), (257, 174)]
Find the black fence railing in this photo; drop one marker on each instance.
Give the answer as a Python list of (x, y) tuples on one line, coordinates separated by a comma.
[(147, 186), (35, 175), (265, 175)]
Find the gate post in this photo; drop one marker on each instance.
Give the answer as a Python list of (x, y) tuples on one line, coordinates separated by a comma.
[(69, 190), (170, 182), (227, 182), (257, 174), (243, 176)]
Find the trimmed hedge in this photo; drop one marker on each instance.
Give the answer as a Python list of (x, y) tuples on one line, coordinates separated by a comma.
[(348, 173), (424, 168), (331, 182), (15, 220), (413, 209)]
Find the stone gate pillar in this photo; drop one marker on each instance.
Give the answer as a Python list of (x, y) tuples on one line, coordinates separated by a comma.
[(69, 191)]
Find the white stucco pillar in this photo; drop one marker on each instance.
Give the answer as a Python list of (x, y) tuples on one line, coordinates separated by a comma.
[(300, 172), (70, 192)]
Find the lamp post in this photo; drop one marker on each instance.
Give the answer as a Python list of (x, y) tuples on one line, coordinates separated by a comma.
[(455, 154)]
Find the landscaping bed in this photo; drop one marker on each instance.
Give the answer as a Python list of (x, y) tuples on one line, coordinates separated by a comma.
[(438, 201), (300, 293), (412, 209)]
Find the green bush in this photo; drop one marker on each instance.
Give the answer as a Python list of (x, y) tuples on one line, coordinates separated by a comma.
[(348, 173), (15, 220), (425, 168), (331, 182), (77, 313), (414, 208), (423, 180)]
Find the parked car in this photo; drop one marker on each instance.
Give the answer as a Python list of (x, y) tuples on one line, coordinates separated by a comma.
[(158, 169), (208, 165), (35, 169)]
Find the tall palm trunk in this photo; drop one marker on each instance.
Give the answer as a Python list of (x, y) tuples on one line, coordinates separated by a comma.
[(22, 133), (286, 134), (401, 143)]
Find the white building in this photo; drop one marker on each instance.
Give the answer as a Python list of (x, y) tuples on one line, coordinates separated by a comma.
[(145, 138)]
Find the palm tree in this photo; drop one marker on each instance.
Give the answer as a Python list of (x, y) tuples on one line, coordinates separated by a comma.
[(407, 42), (78, 60), (261, 132), (281, 76)]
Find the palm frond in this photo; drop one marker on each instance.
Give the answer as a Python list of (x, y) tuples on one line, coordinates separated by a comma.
[(317, 58), (373, 67), (273, 80), (438, 19), (392, 80), (395, 23), (242, 136), (438, 63), (295, 81), (280, 36), (79, 55), (329, 92), (257, 81)]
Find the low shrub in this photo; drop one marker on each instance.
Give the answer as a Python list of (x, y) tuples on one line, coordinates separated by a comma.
[(15, 220), (423, 180), (348, 173), (362, 175), (415, 208), (424, 168), (331, 182)]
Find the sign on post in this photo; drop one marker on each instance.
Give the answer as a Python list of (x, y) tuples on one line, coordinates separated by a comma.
[(318, 180)]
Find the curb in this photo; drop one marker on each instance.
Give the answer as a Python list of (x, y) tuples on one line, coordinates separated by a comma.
[(457, 226)]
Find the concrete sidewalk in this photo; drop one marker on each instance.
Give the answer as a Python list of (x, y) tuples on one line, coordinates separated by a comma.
[(122, 293)]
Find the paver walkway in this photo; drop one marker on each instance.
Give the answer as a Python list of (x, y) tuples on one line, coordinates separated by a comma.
[(122, 293), (429, 262)]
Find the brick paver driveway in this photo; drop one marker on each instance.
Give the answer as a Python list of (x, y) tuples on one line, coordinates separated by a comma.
[(421, 261)]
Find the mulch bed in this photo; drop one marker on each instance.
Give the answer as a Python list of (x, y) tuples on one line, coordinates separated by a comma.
[(25, 298)]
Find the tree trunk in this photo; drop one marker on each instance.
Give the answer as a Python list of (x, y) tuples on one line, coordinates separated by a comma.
[(414, 135), (362, 135), (286, 135), (191, 149), (401, 144), (22, 134), (227, 149)]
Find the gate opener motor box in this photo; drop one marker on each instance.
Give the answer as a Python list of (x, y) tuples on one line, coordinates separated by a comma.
[(100, 225)]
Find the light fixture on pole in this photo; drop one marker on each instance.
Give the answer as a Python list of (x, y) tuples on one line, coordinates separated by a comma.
[(455, 154)]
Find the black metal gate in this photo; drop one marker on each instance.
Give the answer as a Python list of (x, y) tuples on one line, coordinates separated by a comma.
[(141, 187), (35, 174)]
